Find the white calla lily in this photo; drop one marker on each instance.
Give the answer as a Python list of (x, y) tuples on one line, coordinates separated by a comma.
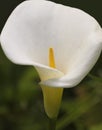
[(36, 25)]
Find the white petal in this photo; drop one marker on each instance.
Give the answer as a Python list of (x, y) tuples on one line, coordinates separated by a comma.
[(36, 25)]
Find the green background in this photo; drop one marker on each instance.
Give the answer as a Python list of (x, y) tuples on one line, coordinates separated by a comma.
[(21, 101)]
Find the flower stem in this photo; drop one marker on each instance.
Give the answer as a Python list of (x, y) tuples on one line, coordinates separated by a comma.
[(52, 124)]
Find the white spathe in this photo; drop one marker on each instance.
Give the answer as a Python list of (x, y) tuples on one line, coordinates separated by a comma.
[(36, 25)]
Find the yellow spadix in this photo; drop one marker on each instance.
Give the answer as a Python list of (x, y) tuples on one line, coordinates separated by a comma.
[(52, 96)]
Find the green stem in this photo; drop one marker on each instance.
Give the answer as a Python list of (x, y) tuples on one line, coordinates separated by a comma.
[(52, 124)]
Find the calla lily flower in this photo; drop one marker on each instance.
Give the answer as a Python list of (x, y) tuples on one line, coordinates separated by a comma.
[(74, 36)]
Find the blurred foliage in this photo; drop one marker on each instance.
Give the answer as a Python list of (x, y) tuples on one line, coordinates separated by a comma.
[(21, 101)]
